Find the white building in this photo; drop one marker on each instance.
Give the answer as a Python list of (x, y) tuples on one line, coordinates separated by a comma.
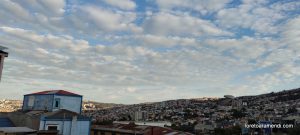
[(140, 115), (66, 122), (52, 100), (58, 110)]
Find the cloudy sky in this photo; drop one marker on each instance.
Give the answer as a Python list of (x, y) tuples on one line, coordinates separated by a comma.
[(126, 51)]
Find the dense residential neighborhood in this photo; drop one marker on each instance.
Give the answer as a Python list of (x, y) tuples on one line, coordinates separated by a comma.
[(211, 115), (197, 116)]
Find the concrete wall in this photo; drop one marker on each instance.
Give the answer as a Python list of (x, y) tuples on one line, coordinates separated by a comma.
[(22, 120), (69, 103), (65, 127), (40, 102)]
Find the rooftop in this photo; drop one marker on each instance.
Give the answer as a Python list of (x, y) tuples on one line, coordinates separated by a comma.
[(64, 114), (55, 92), (16, 130), (138, 129)]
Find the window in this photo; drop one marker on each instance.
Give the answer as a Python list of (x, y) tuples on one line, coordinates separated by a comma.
[(31, 101), (52, 127), (57, 103)]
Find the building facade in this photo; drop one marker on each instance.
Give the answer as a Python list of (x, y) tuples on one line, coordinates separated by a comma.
[(65, 122), (52, 101), (57, 110)]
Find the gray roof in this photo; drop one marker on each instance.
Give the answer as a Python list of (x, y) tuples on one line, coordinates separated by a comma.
[(16, 130)]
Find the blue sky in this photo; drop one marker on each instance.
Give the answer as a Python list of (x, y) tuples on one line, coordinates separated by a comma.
[(126, 51)]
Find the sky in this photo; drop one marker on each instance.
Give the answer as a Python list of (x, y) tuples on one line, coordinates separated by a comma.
[(134, 51)]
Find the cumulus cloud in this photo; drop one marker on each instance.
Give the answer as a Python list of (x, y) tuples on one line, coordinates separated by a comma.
[(251, 15), (123, 4), (202, 6), (108, 20), (183, 25), (127, 52)]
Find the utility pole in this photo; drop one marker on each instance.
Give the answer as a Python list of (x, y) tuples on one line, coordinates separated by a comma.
[(3, 54)]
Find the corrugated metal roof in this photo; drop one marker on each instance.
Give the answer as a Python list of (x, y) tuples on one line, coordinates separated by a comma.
[(5, 122), (55, 92)]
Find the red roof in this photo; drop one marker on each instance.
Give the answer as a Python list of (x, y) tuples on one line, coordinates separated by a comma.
[(55, 92)]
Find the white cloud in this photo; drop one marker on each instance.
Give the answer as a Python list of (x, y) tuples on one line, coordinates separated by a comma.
[(179, 49), (110, 21), (122, 4), (64, 58), (256, 17), (13, 10), (202, 6), (54, 6), (246, 48), (291, 33), (181, 25)]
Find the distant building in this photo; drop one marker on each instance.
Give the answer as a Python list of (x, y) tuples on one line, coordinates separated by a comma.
[(140, 116), (204, 128), (147, 123), (229, 96), (52, 101), (133, 129), (3, 54)]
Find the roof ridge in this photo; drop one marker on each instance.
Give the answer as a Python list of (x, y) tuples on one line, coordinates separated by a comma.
[(58, 92)]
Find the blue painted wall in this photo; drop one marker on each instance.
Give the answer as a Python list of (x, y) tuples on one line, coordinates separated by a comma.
[(71, 103), (5, 122), (41, 102)]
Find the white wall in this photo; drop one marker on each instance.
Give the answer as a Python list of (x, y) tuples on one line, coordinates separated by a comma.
[(82, 127), (69, 103)]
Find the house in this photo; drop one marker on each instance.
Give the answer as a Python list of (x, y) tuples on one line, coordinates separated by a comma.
[(204, 128), (3, 54), (65, 122), (52, 100), (53, 111)]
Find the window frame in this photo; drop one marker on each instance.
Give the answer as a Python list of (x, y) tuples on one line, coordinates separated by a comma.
[(52, 126), (56, 103)]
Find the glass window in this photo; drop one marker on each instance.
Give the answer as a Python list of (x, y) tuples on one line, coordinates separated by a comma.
[(57, 103), (52, 127)]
